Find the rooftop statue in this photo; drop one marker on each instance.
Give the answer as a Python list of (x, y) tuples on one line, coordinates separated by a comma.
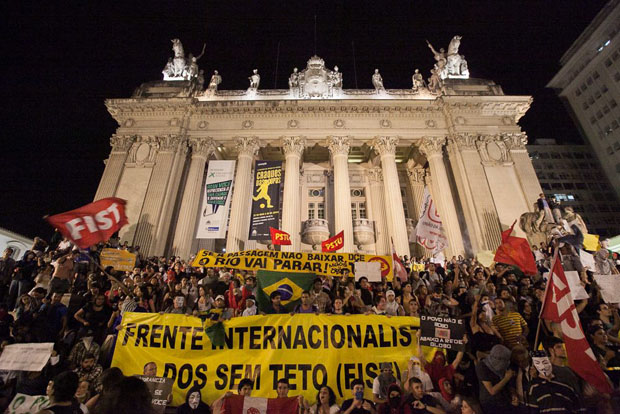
[(254, 81), (450, 65), (377, 81), (216, 79), (316, 81), (418, 81), (179, 67), (293, 82)]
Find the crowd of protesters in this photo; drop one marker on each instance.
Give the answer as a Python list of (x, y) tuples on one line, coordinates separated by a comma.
[(57, 293)]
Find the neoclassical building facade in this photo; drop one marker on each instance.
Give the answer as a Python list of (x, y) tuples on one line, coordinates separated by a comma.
[(354, 160)]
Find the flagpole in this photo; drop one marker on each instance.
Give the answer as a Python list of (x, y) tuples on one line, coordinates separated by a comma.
[(542, 308)]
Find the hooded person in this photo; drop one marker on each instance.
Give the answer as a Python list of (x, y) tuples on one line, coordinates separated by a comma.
[(494, 375), (395, 403), (382, 382), (438, 368), (193, 403)]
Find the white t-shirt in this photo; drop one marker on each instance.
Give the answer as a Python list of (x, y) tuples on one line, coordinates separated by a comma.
[(334, 409)]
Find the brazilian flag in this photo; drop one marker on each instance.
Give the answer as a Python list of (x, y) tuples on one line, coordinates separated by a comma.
[(290, 286)]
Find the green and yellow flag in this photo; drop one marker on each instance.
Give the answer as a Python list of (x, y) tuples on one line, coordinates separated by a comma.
[(290, 286)]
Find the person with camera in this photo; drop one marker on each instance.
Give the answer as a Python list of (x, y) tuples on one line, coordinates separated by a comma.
[(358, 404)]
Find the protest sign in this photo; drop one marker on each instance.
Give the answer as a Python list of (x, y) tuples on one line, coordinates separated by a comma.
[(327, 264), (27, 404), (610, 287), (576, 288), (120, 260), (160, 389), (369, 270), (12, 358), (587, 260), (308, 350), (442, 332)]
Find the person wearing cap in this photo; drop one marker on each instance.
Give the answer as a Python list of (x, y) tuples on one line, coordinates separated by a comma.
[(250, 306), (392, 307), (219, 311), (382, 382)]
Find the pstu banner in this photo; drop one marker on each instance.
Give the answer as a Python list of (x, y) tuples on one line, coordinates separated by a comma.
[(309, 350), (217, 196), (265, 199), (327, 264)]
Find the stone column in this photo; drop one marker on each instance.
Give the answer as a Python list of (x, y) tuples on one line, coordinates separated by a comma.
[(385, 146), (339, 150), (523, 165), (170, 198), (382, 243), (432, 148), (186, 224), (114, 166), (293, 147), (238, 229), (154, 199), (416, 183), (416, 175)]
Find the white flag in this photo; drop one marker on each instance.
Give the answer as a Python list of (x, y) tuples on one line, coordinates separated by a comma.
[(429, 232), (255, 405), (216, 199)]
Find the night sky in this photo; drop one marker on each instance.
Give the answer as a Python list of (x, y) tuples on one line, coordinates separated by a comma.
[(61, 60)]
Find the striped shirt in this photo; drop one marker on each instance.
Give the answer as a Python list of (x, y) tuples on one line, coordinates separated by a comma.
[(552, 397), (510, 326)]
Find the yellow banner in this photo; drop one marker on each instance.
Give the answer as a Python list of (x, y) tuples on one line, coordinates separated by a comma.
[(308, 350), (328, 264), (119, 259)]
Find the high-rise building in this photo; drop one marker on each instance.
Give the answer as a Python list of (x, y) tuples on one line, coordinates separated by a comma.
[(589, 83), (354, 160), (572, 175)]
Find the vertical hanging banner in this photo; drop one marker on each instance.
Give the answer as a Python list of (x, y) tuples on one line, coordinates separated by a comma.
[(217, 196), (429, 232), (265, 199)]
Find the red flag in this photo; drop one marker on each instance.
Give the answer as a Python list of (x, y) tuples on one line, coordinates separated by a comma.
[(558, 306), (516, 251), (238, 404), (93, 223), (279, 237), (232, 299), (399, 268), (333, 244)]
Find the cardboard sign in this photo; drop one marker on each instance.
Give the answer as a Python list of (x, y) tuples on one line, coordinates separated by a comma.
[(27, 404), (442, 332), (161, 389), (369, 270), (12, 358), (576, 288), (587, 260), (119, 259), (610, 287)]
